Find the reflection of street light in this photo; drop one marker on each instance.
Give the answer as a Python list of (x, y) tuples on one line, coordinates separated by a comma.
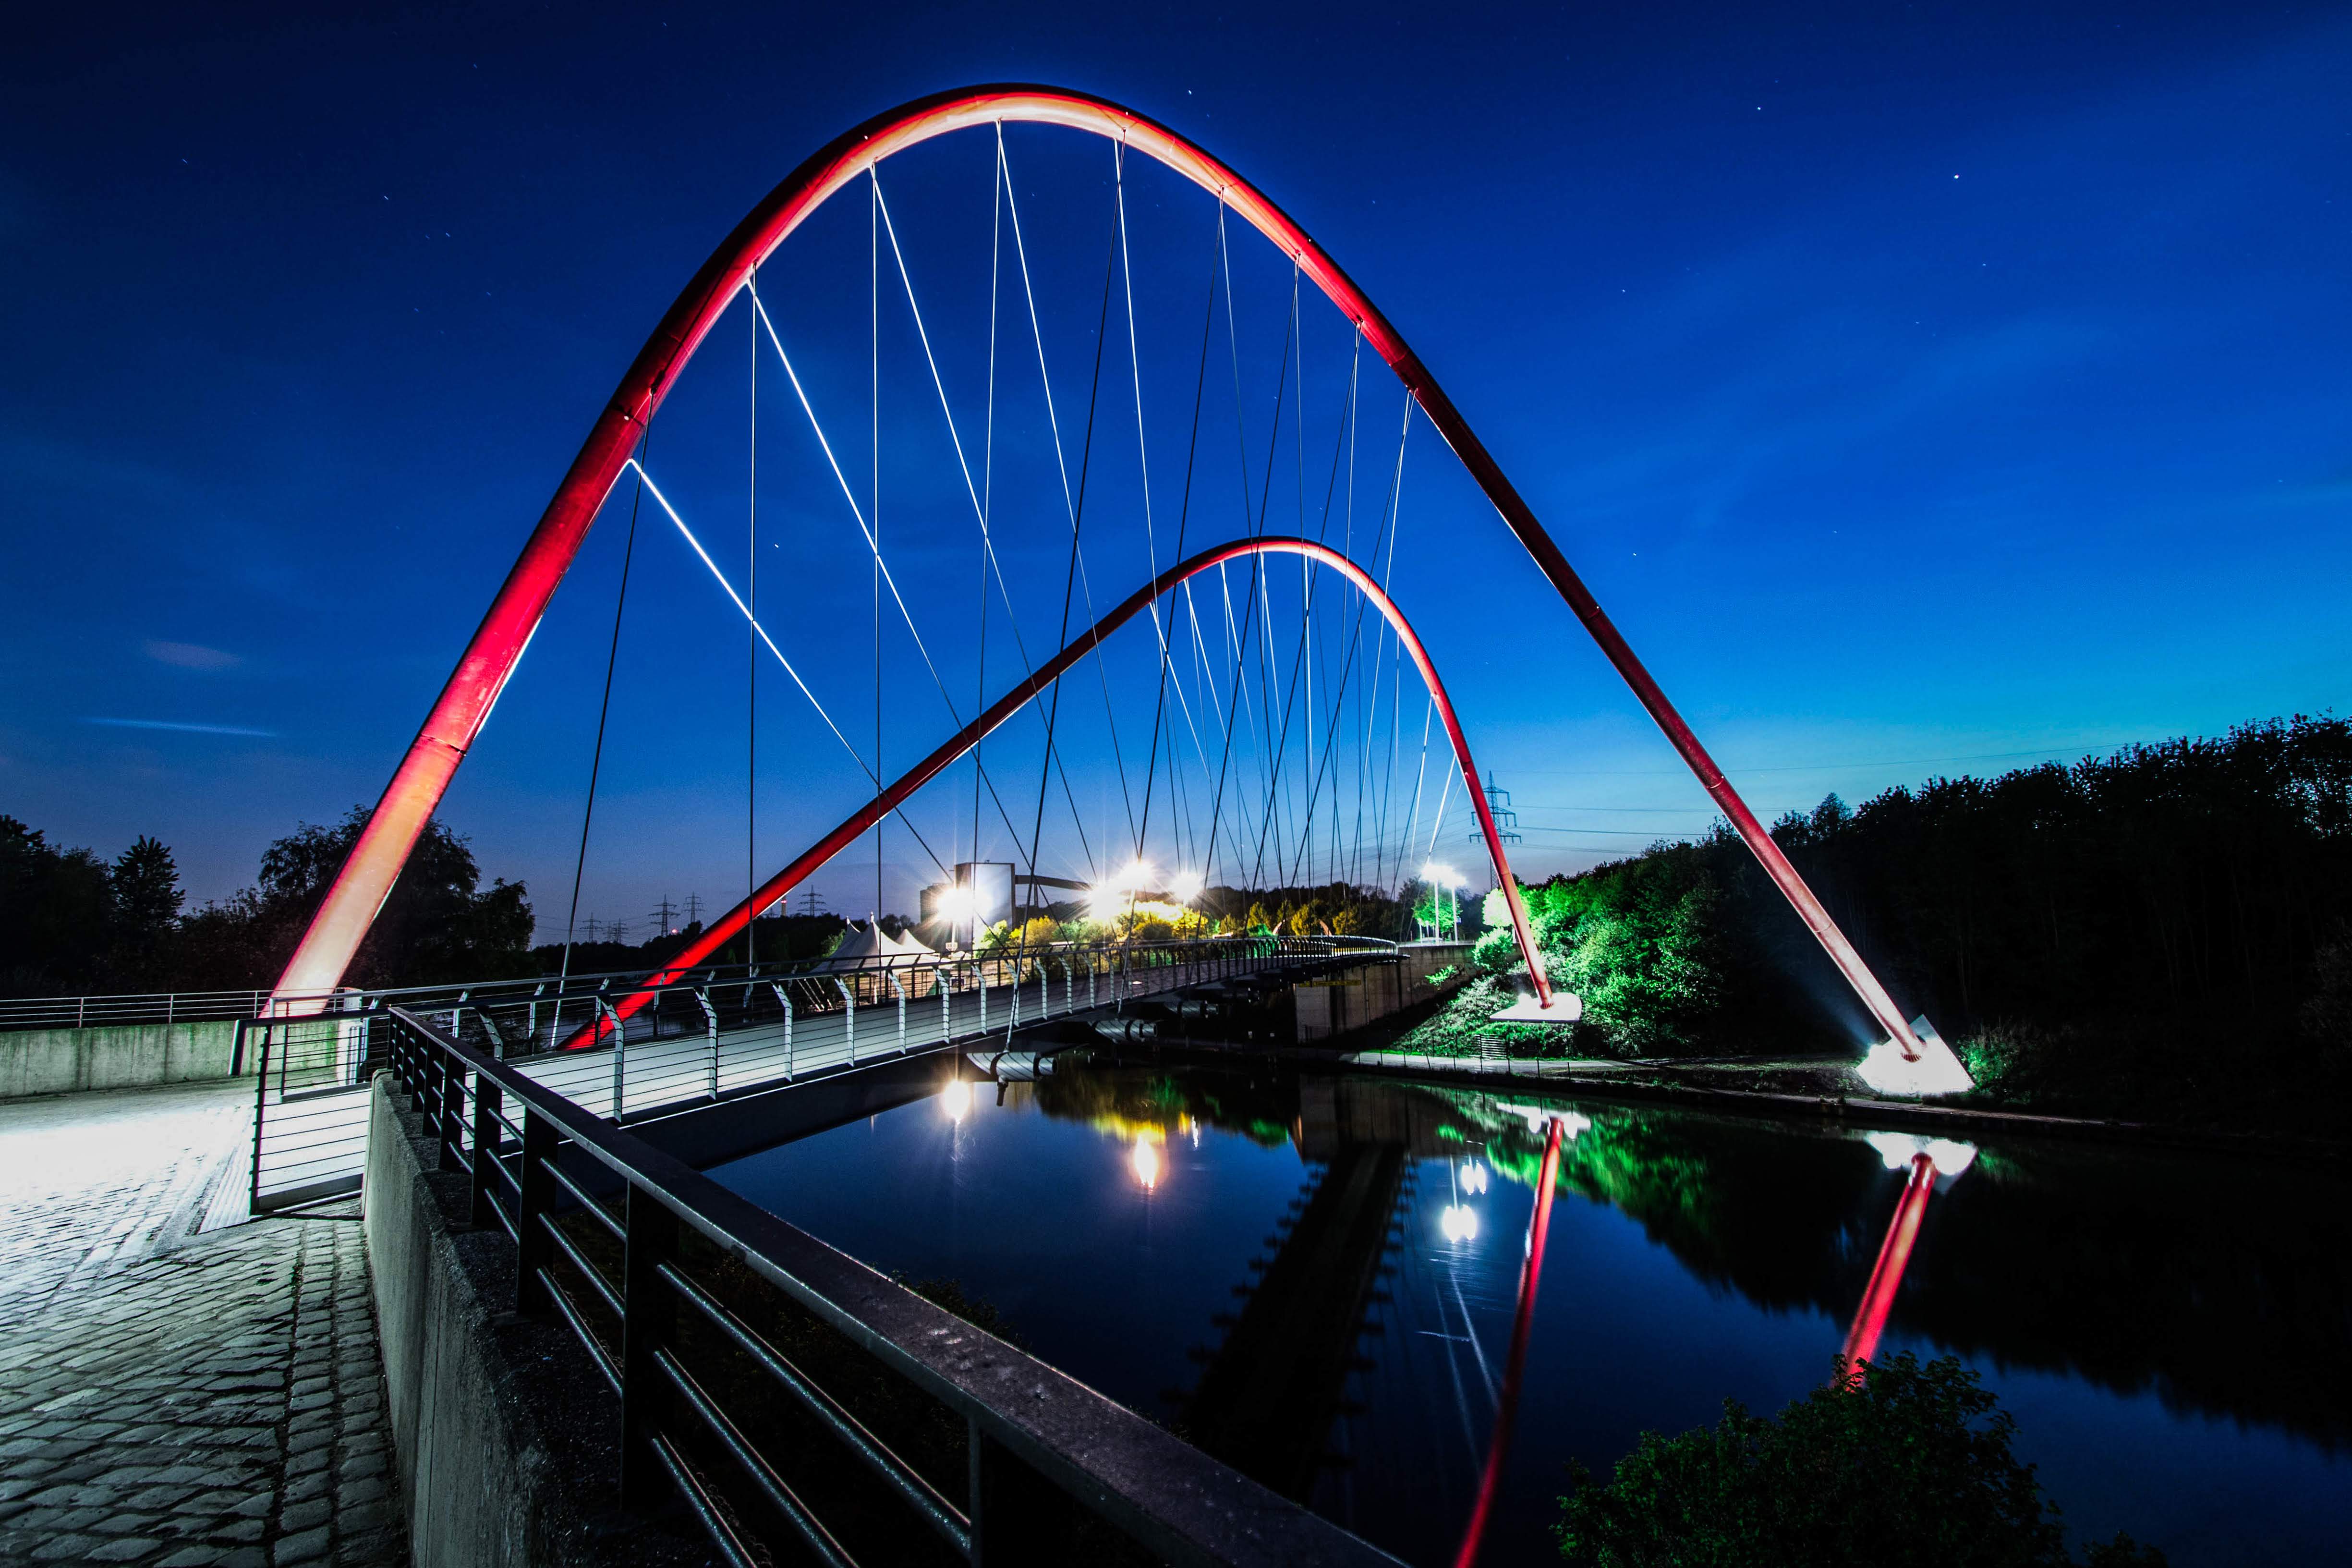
[(956, 1100), (1474, 1176), (1458, 1224), (1145, 1160)]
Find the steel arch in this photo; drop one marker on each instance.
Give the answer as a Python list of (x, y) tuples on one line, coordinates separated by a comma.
[(808, 860), (490, 658)]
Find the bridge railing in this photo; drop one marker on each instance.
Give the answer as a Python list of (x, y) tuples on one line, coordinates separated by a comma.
[(715, 1033), (796, 1399), (543, 998)]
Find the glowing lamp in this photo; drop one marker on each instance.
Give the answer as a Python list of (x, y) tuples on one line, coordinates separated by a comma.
[(1186, 886), (1458, 1224), (1934, 1070)]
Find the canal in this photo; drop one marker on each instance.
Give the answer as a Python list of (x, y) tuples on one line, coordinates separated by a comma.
[(1314, 1277)]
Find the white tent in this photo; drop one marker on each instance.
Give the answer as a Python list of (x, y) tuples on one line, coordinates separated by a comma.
[(870, 947)]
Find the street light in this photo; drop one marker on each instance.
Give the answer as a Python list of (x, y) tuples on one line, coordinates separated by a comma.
[(1186, 886), (1447, 881)]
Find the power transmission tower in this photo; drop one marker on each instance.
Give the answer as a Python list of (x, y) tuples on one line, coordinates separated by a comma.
[(694, 909), (811, 902), (664, 917), (1498, 803), (593, 928), (617, 932)]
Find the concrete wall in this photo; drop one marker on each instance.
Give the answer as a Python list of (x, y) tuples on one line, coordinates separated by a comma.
[(114, 1056), (1359, 996), (470, 1475)]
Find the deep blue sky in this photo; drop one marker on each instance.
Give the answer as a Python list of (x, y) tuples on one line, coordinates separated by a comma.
[(1923, 389)]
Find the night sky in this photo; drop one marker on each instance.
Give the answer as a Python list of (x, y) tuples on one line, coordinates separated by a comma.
[(1923, 389)]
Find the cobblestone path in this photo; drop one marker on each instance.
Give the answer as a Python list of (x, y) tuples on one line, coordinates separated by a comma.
[(169, 1397)]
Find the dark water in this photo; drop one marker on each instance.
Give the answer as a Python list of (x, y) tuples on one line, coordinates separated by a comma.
[(2172, 1333)]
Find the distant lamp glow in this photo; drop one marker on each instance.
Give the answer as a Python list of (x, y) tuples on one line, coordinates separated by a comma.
[(957, 903), (1474, 1176), (956, 1100), (1443, 876), (1145, 1160), (1458, 1224), (1186, 886), (1137, 875)]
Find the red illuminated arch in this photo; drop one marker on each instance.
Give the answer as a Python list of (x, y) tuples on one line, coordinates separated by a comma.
[(859, 821), (490, 658)]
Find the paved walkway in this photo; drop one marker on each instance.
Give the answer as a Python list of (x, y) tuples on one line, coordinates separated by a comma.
[(170, 1393)]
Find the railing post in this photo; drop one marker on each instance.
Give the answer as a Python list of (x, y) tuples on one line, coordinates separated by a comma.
[(649, 1322), (944, 984), (784, 1001), (487, 1136), (710, 1023), (452, 1118), (892, 975), (1015, 1510), (848, 1016), (620, 1053), (534, 1248)]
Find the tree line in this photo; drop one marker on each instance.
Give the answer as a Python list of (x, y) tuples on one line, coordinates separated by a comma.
[(2159, 917), (73, 923)]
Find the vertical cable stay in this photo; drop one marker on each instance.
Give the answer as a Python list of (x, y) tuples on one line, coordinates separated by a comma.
[(744, 610), (1070, 577), (857, 510), (987, 464), (874, 341), (751, 655), (605, 704)]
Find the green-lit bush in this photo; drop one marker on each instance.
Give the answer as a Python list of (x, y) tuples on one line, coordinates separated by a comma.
[(1908, 1465)]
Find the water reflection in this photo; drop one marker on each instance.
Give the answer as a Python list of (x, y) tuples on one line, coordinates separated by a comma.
[(1323, 1291)]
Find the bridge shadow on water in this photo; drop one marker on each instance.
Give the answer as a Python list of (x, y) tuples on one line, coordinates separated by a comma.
[(1311, 1277)]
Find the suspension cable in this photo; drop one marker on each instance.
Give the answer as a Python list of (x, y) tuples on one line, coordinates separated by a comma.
[(604, 705)]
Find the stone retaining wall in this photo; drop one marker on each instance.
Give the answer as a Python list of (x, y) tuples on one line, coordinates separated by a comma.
[(114, 1056)]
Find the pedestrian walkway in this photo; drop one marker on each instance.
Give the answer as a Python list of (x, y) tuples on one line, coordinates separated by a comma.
[(171, 1394)]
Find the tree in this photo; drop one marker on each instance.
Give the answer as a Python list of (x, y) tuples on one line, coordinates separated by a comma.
[(145, 885), (56, 914), (1898, 1466)]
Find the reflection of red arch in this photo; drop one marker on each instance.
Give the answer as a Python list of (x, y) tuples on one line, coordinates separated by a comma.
[(465, 703), (723, 930)]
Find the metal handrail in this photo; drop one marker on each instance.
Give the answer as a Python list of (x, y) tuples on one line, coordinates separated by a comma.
[(1174, 1500), (199, 1007)]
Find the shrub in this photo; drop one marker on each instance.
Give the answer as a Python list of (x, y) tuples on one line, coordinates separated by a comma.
[(1904, 1465)]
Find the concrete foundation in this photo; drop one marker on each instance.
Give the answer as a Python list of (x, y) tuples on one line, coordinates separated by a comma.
[(1359, 996), (114, 1056)]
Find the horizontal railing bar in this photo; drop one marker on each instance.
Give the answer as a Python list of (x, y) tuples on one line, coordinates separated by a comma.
[(779, 1495), (721, 1533), (564, 1179), (949, 1521), (595, 1277), (578, 1327)]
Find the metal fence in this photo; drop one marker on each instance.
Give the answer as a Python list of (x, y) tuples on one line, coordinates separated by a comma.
[(719, 1033), (546, 999), (310, 1103), (1049, 1471), (144, 1007)]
